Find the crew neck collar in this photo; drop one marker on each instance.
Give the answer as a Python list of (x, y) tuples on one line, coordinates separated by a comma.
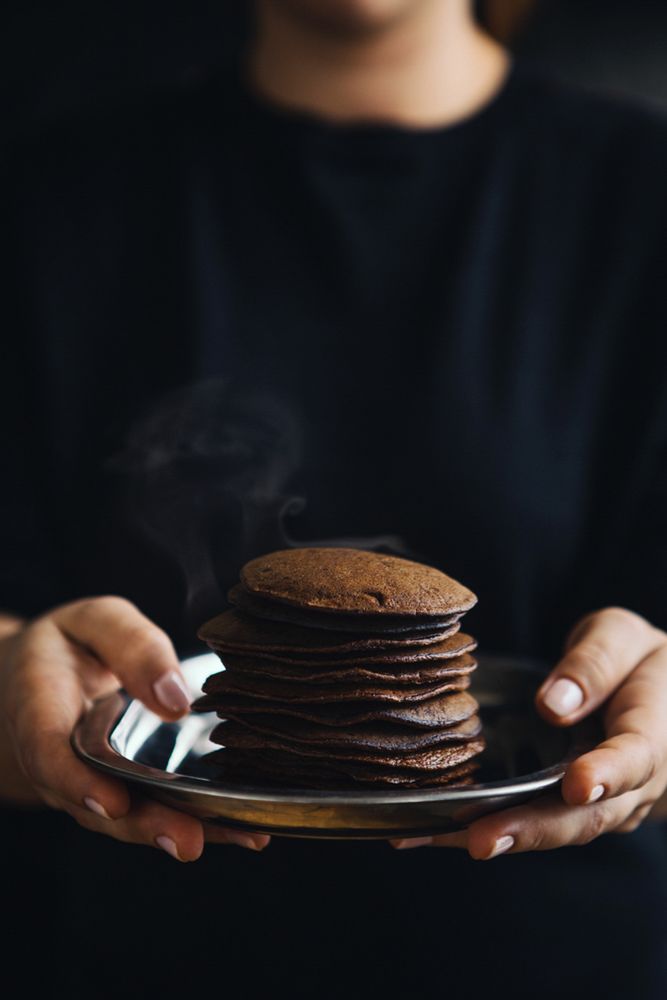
[(309, 124)]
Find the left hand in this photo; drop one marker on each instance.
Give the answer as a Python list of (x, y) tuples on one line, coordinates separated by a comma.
[(612, 656)]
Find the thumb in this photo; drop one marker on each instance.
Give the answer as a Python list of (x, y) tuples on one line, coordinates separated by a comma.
[(600, 652), (131, 647)]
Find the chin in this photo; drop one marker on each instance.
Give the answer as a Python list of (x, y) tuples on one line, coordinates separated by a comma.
[(349, 15)]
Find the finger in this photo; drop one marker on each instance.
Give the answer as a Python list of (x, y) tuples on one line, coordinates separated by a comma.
[(603, 649), (242, 838), (45, 705), (457, 839), (180, 835), (545, 824), (150, 823), (636, 748), (130, 646), (635, 819)]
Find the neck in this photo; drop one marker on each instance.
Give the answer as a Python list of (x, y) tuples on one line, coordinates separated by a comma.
[(431, 66)]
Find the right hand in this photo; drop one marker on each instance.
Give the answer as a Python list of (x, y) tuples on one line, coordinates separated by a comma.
[(51, 670)]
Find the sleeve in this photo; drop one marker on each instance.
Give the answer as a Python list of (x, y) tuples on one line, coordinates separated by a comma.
[(641, 578), (624, 541), (28, 563)]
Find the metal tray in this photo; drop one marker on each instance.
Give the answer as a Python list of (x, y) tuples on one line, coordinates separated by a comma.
[(524, 758)]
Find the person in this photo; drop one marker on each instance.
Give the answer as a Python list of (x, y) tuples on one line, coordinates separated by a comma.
[(445, 272)]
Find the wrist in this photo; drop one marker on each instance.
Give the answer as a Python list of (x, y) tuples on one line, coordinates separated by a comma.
[(15, 789)]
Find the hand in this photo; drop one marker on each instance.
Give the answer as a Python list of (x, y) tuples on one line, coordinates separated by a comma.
[(611, 656), (50, 672)]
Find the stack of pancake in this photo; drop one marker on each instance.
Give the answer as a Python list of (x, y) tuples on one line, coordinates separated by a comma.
[(343, 668)]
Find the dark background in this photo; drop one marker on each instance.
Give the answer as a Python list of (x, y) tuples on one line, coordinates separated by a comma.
[(67, 58), (61, 59)]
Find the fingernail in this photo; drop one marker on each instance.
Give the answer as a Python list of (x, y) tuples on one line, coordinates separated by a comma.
[(245, 840), (596, 793), (501, 845), (168, 845), (564, 697), (95, 807), (413, 842), (171, 692)]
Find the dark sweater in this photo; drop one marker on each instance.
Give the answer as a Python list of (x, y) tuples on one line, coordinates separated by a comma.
[(451, 336)]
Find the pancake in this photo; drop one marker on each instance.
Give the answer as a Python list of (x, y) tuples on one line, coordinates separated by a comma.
[(409, 674), (445, 649), (247, 768), (343, 667), (433, 759), (234, 632), (363, 740), (431, 714), (366, 624), (270, 689), (354, 582)]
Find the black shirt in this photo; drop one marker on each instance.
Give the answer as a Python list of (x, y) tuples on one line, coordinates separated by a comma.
[(451, 338)]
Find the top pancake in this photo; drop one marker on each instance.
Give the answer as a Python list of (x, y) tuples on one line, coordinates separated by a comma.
[(369, 625), (234, 632), (354, 582)]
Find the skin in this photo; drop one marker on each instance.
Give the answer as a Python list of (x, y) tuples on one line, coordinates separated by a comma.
[(411, 63), (51, 669), (415, 64), (618, 662)]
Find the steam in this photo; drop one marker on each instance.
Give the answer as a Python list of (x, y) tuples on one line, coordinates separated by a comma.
[(206, 477)]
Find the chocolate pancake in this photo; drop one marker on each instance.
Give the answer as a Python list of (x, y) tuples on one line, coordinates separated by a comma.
[(362, 739), (247, 768), (343, 666), (445, 649), (434, 759), (354, 582), (424, 673), (272, 690), (368, 624), (433, 713), (234, 632)]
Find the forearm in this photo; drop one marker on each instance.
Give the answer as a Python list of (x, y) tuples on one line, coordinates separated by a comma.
[(14, 786)]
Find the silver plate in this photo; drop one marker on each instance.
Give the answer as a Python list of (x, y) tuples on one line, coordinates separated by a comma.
[(524, 758)]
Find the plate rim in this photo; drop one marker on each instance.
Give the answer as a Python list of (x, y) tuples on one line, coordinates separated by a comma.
[(91, 741)]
